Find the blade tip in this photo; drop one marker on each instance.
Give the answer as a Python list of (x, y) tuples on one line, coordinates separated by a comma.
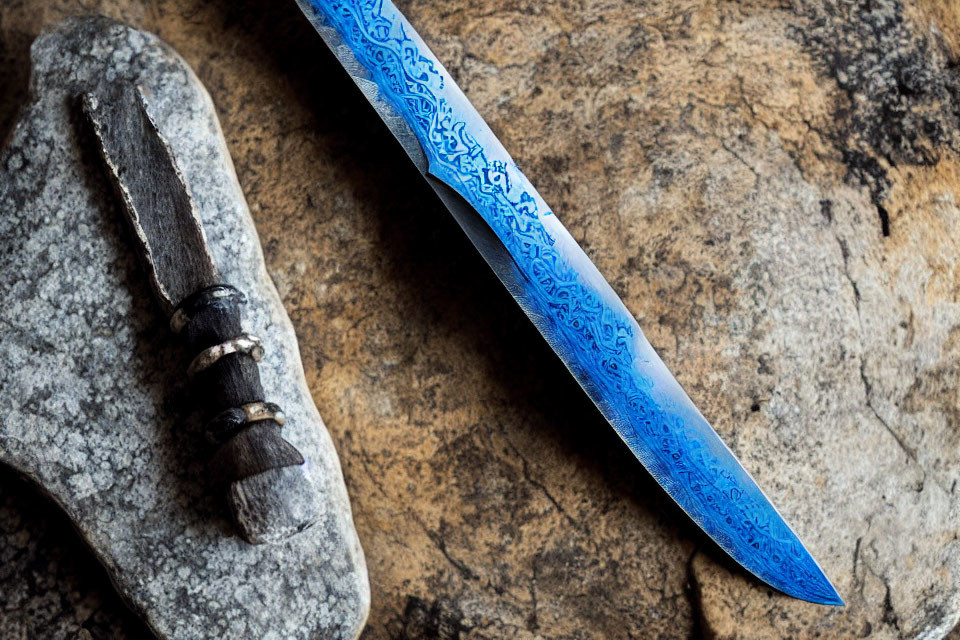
[(823, 592), (832, 599)]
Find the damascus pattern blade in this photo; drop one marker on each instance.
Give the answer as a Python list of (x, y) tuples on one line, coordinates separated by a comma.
[(561, 291)]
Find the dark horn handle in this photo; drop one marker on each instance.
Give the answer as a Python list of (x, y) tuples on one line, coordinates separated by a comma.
[(269, 494)]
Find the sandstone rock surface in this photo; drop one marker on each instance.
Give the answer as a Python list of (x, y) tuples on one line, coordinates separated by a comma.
[(771, 186), (94, 407)]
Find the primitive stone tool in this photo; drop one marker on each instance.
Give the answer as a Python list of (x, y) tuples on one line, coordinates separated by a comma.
[(269, 495), (91, 403)]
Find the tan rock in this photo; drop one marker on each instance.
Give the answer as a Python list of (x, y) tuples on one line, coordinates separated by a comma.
[(731, 168)]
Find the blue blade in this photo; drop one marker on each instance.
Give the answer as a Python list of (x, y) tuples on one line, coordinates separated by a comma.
[(561, 290)]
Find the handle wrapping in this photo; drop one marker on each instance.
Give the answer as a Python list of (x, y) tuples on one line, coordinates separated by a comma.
[(270, 497)]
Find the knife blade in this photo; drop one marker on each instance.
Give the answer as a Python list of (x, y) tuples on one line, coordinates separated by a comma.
[(561, 290), (269, 495)]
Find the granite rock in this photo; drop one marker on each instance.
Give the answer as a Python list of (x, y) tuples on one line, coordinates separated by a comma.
[(95, 409), (770, 186)]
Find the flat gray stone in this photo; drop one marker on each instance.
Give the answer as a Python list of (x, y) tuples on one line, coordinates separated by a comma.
[(95, 407)]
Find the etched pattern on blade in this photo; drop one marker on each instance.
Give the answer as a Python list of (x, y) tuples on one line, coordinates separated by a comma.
[(571, 303)]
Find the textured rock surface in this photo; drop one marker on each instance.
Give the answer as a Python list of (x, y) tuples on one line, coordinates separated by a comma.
[(94, 404), (771, 186)]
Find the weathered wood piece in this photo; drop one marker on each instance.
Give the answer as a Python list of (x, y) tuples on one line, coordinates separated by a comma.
[(157, 203), (169, 238), (95, 409)]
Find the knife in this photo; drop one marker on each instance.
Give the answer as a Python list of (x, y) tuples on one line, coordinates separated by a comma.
[(268, 492), (560, 290)]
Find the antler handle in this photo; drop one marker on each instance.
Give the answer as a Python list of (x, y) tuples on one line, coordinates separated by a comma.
[(269, 495)]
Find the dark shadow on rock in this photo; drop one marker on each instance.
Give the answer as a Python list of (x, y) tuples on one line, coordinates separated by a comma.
[(40, 551), (14, 75), (436, 259)]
